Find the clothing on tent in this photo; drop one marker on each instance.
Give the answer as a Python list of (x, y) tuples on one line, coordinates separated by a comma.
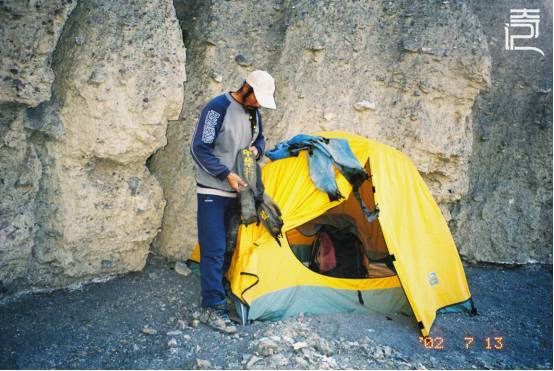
[(323, 153)]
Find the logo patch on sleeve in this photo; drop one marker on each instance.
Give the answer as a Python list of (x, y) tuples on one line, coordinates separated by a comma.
[(208, 135)]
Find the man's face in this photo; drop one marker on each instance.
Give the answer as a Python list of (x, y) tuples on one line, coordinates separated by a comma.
[(251, 102)]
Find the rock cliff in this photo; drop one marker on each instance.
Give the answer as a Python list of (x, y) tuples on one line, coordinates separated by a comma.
[(96, 118)]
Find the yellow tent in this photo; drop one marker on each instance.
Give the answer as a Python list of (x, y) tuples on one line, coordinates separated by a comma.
[(271, 282)]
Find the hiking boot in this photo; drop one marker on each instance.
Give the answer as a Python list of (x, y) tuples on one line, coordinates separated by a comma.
[(217, 318)]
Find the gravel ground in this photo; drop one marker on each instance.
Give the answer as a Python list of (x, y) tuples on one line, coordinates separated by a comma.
[(102, 326)]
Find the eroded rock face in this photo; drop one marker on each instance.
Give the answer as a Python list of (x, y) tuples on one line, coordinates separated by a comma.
[(506, 216), (82, 110), (402, 73), (119, 79), (29, 31)]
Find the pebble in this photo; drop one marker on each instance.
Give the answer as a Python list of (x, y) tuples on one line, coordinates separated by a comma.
[(299, 345), (172, 343), (364, 105), (182, 324), (216, 77), (252, 360), (268, 346), (325, 347), (328, 116), (187, 337), (301, 362), (278, 360), (245, 357), (203, 364), (243, 60), (149, 330), (182, 269), (195, 323), (174, 333)]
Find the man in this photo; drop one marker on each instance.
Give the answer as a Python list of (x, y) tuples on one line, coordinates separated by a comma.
[(228, 123)]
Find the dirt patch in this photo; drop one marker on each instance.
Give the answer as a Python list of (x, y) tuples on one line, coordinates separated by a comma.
[(101, 326)]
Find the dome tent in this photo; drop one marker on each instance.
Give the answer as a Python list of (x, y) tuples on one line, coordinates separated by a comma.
[(271, 282)]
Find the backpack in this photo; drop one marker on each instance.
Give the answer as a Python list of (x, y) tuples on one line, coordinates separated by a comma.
[(323, 253), (347, 260)]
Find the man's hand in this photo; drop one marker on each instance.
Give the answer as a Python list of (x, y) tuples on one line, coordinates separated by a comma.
[(234, 181), (255, 150)]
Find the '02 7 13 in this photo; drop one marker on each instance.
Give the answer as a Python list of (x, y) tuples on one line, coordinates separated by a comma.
[(488, 343)]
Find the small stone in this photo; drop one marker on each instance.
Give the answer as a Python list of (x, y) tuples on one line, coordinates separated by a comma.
[(413, 117), (299, 345), (186, 337), (182, 269), (267, 346), (411, 45), (329, 363), (424, 87), (79, 40), (149, 330), (387, 350), (252, 360), (316, 45), (278, 360), (172, 343), (364, 105), (195, 323), (328, 116), (216, 77), (243, 60), (23, 183), (378, 354), (301, 362), (136, 348), (203, 364), (324, 347), (174, 333), (96, 78)]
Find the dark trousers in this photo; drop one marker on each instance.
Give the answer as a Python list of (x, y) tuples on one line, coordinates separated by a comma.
[(214, 216)]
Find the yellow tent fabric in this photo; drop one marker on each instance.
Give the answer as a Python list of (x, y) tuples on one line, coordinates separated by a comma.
[(428, 266)]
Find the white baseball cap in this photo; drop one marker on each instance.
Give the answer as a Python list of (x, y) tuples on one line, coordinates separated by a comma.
[(264, 87)]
